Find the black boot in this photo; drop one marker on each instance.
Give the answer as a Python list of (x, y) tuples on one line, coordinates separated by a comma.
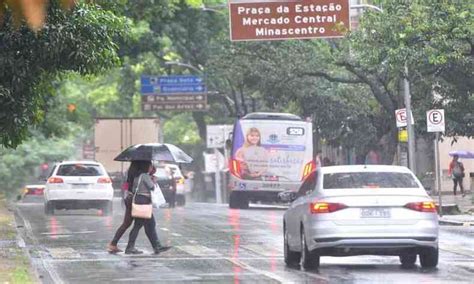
[(132, 250), (159, 248)]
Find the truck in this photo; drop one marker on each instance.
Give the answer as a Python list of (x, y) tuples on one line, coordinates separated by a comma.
[(113, 135)]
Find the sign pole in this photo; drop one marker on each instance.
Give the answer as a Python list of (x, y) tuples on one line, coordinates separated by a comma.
[(218, 178), (224, 177), (438, 177), (435, 122), (411, 132)]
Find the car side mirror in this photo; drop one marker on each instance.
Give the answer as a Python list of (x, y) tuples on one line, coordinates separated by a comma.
[(287, 196)]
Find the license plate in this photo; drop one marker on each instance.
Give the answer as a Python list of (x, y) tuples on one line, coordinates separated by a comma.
[(80, 186), (271, 185), (375, 213)]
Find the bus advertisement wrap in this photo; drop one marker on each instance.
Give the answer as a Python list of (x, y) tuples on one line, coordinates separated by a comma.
[(270, 151)]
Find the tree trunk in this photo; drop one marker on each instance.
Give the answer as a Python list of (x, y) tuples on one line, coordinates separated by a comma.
[(389, 142), (201, 124)]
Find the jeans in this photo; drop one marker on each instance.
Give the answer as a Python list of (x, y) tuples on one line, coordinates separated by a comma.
[(127, 220), (150, 229), (456, 181)]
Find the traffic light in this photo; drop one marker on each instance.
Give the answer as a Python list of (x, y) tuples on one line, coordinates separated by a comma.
[(71, 112), (71, 107)]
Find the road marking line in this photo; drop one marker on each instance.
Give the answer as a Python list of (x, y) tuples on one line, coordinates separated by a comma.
[(164, 229), (64, 252), (198, 250), (120, 257), (67, 232), (176, 235), (262, 250), (257, 271)]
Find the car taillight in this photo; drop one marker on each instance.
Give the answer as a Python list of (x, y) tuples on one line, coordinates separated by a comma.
[(104, 180), (425, 206), (235, 168), (55, 180), (308, 168), (325, 207)]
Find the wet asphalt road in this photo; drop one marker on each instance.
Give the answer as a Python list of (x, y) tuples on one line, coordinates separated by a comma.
[(211, 243)]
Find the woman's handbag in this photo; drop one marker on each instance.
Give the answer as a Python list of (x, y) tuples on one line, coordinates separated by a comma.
[(143, 211), (157, 197)]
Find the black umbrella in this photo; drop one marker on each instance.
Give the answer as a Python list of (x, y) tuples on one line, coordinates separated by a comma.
[(155, 152)]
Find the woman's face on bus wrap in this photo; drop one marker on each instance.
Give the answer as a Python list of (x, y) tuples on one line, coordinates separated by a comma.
[(253, 137)]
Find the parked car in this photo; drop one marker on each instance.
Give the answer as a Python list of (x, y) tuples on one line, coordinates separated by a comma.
[(360, 210), (163, 175), (78, 185), (32, 192)]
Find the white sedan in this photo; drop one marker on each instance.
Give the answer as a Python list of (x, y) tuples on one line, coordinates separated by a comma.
[(360, 210), (78, 185)]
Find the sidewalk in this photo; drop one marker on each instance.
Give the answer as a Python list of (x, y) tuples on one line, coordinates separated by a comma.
[(14, 262), (457, 210)]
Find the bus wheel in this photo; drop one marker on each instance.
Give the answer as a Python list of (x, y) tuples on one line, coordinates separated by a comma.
[(234, 200), (244, 202)]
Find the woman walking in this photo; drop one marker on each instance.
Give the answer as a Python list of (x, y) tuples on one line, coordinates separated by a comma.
[(127, 219), (142, 188), (456, 172)]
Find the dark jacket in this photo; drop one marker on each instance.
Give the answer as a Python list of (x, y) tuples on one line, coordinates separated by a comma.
[(143, 190)]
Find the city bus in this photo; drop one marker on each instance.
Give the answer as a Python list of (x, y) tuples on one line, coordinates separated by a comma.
[(270, 153)]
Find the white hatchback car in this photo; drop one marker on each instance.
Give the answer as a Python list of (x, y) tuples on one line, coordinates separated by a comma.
[(360, 210), (78, 185)]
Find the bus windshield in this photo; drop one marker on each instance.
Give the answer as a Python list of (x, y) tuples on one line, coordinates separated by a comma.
[(271, 150)]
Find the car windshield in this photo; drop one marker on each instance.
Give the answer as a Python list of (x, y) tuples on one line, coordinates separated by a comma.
[(79, 170), (162, 174), (369, 180)]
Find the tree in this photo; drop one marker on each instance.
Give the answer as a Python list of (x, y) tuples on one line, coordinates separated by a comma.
[(81, 41), (434, 39), (33, 12), (20, 166)]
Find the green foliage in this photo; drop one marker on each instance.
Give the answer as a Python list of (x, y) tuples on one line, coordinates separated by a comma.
[(180, 130), (435, 40), (82, 41), (350, 87), (19, 167)]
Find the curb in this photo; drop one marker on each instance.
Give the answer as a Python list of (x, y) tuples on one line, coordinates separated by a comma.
[(455, 223)]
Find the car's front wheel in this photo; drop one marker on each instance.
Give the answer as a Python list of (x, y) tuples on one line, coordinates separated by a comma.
[(238, 200), (309, 260), (292, 258), (429, 257), (408, 259)]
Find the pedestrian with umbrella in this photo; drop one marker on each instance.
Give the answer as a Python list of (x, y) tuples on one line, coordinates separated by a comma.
[(456, 169), (127, 218), (142, 191), (141, 184)]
